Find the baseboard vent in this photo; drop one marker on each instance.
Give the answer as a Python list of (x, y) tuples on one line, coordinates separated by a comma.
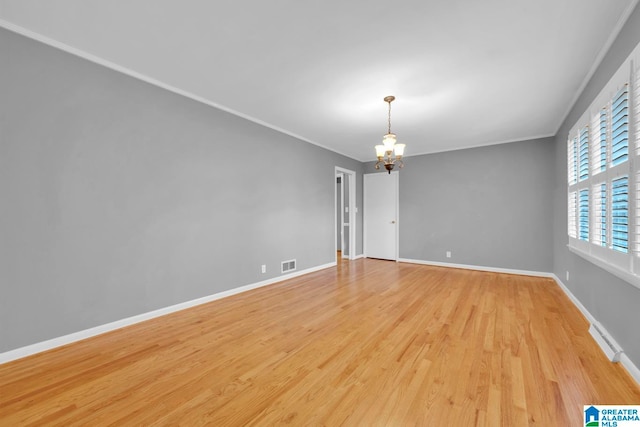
[(288, 266), (611, 348)]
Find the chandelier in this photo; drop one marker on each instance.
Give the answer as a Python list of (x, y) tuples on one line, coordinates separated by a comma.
[(389, 152)]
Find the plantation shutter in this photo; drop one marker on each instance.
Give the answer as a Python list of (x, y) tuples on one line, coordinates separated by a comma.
[(635, 105), (584, 154), (572, 160), (583, 215), (603, 175), (635, 143), (599, 142), (599, 214), (572, 212), (620, 127), (619, 214)]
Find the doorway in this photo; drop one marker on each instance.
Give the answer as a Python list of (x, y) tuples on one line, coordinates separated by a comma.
[(381, 215), (345, 213)]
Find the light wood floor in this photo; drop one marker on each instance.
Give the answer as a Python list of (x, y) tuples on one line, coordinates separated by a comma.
[(368, 343)]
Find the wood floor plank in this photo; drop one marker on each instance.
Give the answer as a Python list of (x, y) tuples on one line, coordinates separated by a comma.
[(366, 343)]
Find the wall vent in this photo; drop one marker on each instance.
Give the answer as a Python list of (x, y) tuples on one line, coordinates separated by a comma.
[(288, 266), (606, 342)]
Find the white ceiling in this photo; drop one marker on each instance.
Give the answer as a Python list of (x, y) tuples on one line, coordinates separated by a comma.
[(465, 73)]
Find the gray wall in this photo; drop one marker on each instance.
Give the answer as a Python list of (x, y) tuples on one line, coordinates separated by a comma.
[(489, 206), (116, 198), (614, 302)]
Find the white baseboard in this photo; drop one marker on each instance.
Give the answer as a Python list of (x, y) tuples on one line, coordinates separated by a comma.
[(627, 363), (624, 359), (91, 332), (575, 300), (88, 333), (359, 256), (478, 267), (630, 367)]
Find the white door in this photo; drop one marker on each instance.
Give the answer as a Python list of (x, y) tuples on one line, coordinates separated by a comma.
[(347, 210), (381, 215)]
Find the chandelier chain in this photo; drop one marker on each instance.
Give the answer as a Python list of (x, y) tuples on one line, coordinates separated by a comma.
[(389, 119)]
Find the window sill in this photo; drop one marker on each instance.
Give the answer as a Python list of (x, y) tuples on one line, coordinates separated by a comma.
[(627, 276)]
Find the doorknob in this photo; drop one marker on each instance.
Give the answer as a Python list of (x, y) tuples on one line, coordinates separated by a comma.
[(393, 222)]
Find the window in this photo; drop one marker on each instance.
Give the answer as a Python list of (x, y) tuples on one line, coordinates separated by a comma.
[(603, 176), (595, 218)]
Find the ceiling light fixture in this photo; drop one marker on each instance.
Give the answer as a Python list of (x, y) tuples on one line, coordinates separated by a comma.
[(389, 152)]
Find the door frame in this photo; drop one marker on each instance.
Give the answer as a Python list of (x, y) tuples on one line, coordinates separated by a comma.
[(340, 218), (396, 200), (352, 211)]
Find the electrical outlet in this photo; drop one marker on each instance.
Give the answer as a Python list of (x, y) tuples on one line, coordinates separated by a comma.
[(448, 254), (264, 268)]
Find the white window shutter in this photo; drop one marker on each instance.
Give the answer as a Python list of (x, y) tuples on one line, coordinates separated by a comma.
[(599, 214), (620, 127), (572, 160), (572, 217)]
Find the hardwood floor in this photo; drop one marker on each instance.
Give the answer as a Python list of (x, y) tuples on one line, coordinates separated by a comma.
[(367, 343)]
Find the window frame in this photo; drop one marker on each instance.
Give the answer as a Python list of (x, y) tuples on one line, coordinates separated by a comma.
[(623, 265)]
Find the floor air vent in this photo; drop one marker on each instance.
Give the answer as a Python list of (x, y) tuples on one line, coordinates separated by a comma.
[(606, 342), (288, 266)]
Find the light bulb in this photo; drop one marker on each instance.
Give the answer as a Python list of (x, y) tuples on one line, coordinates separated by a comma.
[(389, 140)]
